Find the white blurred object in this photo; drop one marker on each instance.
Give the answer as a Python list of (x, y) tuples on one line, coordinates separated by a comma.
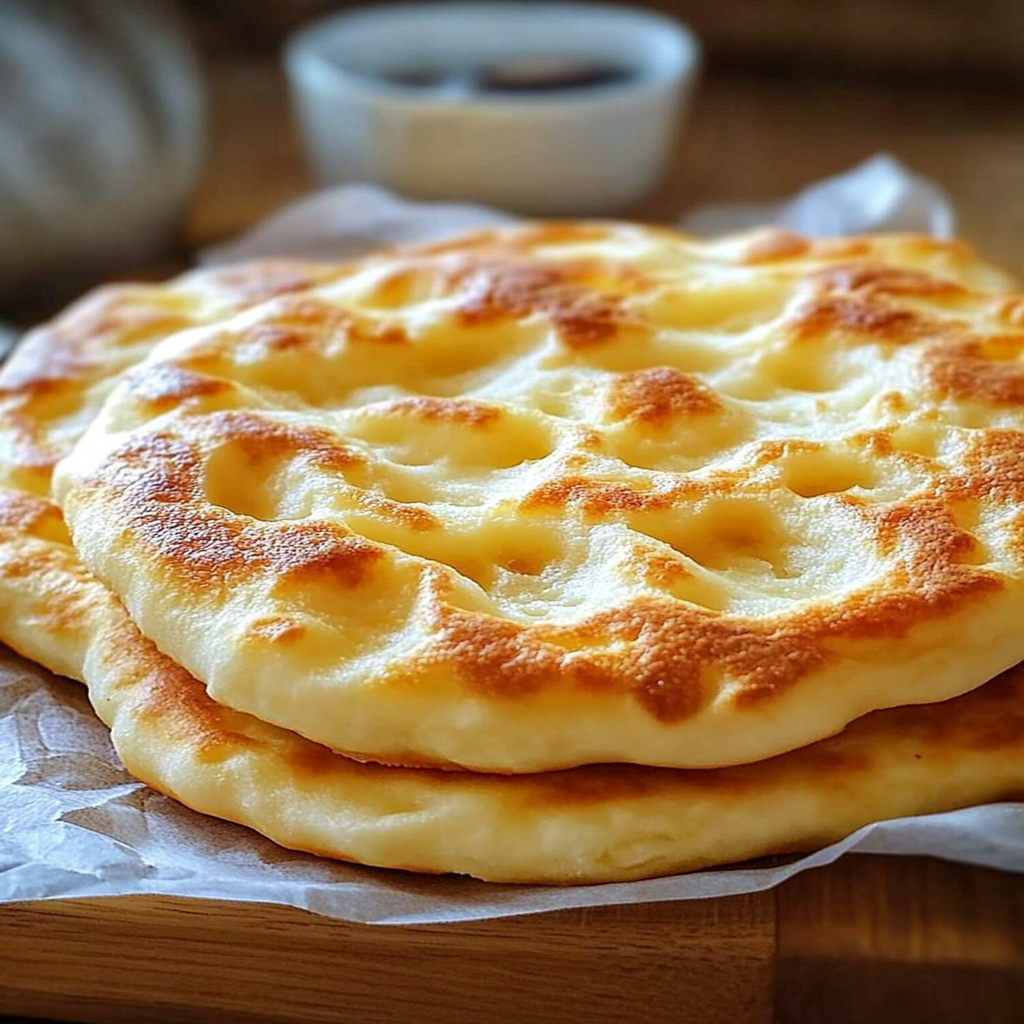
[(560, 151), (100, 137), (880, 194)]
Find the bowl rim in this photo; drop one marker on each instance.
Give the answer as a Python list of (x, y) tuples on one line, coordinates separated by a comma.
[(308, 66)]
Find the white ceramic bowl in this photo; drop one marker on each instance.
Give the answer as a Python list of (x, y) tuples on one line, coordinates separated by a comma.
[(591, 150)]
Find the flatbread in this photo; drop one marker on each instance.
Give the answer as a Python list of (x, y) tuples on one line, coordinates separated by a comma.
[(590, 824), (579, 493), (58, 377)]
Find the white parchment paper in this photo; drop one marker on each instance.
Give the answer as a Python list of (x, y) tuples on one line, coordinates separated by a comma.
[(74, 823)]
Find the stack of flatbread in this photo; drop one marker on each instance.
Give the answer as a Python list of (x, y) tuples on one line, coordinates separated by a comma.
[(566, 553)]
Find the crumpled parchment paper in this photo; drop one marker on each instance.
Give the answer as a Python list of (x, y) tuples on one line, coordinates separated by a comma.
[(74, 823)]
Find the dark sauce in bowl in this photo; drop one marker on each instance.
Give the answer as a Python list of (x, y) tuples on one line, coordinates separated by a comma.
[(523, 76)]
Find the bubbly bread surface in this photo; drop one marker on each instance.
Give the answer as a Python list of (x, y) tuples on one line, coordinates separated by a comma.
[(59, 375), (578, 493), (582, 825)]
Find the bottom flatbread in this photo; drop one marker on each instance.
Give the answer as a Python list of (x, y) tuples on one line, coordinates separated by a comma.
[(592, 824)]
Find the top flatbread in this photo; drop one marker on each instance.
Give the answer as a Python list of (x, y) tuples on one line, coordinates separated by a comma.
[(577, 493)]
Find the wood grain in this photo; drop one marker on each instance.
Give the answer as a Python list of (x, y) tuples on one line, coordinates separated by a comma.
[(879, 939), (159, 959), (884, 940)]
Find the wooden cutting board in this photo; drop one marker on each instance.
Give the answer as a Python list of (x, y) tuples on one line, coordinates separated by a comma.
[(868, 939)]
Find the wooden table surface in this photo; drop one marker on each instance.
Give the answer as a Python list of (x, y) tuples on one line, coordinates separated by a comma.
[(868, 939)]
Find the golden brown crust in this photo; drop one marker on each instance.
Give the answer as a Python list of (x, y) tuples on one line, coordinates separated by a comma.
[(863, 320), (28, 513), (872, 280), (167, 386), (658, 395), (460, 411), (71, 362), (302, 321), (489, 291), (260, 438), (966, 371), (666, 648), (160, 477), (966, 352), (600, 497), (993, 469)]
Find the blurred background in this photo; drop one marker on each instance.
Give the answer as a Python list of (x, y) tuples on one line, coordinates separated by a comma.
[(791, 90)]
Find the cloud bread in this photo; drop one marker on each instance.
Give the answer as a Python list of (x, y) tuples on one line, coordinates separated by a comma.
[(589, 824), (579, 493), (58, 377)]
